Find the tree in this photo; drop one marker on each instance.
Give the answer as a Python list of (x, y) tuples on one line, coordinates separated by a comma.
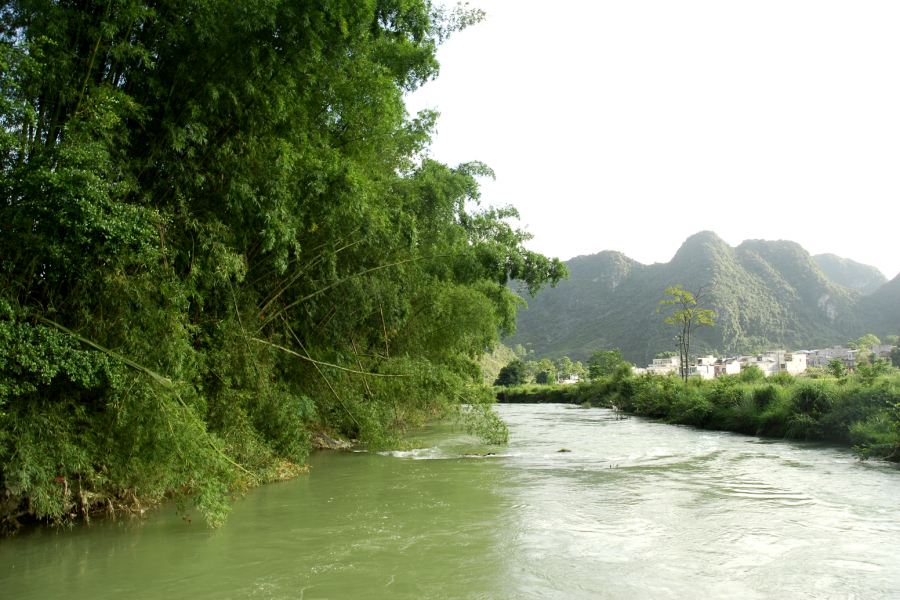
[(520, 350), (564, 367), (864, 343), (543, 378), (578, 369), (689, 314), (868, 373), (891, 339), (546, 372), (514, 373), (836, 368), (237, 199), (603, 364), (751, 374), (531, 367), (666, 354)]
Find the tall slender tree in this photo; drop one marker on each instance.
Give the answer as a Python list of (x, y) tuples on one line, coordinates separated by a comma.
[(688, 315)]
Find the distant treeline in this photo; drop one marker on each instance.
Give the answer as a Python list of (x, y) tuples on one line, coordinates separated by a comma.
[(861, 409)]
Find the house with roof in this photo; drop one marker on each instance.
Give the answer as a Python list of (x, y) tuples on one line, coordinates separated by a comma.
[(664, 366), (777, 361), (821, 358)]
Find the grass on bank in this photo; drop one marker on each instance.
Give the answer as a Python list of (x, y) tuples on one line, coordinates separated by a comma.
[(862, 412)]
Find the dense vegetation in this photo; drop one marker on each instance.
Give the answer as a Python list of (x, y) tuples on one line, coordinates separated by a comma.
[(493, 361), (768, 295), (219, 231), (850, 273), (861, 409)]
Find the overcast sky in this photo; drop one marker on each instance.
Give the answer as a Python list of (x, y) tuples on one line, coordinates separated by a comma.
[(631, 124)]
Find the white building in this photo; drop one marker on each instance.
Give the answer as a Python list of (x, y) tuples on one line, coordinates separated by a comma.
[(764, 362), (821, 358), (710, 367), (664, 366), (794, 363), (705, 367), (882, 350), (778, 361), (727, 366)]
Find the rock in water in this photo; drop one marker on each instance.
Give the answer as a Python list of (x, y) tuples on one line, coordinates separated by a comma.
[(323, 441)]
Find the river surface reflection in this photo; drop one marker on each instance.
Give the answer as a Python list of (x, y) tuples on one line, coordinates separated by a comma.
[(636, 509)]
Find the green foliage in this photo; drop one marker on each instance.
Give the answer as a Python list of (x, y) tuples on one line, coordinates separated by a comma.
[(687, 312), (850, 273), (545, 372), (868, 373), (688, 316), (751, 374), (603, 364), (565, 367), (867, 416), (836, 368), (864, 343), (578, 369), (782, 378), (545, 377), (221, 232), (493, 361), (512, 374)]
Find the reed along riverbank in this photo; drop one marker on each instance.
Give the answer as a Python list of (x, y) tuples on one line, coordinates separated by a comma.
[(862, 412)]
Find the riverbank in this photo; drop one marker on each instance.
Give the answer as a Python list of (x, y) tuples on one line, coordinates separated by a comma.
[(864, 413)]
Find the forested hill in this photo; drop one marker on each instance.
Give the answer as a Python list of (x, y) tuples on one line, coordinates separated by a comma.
[(881, 309), (769, 294), (850, 273)]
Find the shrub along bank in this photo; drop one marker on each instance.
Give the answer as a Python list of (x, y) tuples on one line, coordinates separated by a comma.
[(864, 412)]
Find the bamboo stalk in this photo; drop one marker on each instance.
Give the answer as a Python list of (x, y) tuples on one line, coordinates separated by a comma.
[(318, 362), (321, 374), (164, 381), (340, 281), (91, 64)]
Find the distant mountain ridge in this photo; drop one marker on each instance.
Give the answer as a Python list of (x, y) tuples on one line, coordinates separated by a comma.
[(850, 273), (769, 294)]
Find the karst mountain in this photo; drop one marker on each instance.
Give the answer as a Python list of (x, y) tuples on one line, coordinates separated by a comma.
[(767, 295)]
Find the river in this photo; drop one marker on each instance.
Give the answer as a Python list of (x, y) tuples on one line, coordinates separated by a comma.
[(636, 509)]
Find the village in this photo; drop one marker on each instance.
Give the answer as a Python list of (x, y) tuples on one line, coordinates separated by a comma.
[(770, 362)]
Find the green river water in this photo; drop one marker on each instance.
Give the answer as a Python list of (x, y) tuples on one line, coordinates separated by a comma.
[(637, 509)]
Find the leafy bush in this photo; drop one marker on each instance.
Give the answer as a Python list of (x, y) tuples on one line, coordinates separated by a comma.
[(751, 374), (864, 414), (514, 373)]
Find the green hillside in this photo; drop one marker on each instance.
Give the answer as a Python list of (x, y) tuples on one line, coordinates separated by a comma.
[(850, 273), (769, 294), (881, 309), (492, 362)]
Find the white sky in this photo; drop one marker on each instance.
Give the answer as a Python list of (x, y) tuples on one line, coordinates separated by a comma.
[(631, 124)]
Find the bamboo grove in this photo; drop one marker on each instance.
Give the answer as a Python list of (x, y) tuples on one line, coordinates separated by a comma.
[(220, 231)]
